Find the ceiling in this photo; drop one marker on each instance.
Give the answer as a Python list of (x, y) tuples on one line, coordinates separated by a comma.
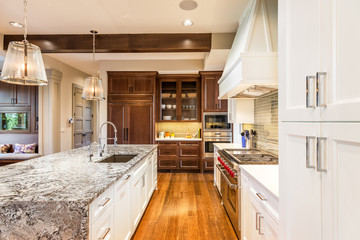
[(121, 16)]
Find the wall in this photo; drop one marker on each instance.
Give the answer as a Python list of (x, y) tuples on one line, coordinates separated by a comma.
[(266, 123), (70, 75)]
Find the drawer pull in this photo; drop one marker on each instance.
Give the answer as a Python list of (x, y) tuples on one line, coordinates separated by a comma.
[(106, 200), (106, 232), (127, 177), (257, 221), (261, 197)]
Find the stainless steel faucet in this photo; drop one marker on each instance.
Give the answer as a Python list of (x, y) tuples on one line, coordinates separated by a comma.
[(101, 150)]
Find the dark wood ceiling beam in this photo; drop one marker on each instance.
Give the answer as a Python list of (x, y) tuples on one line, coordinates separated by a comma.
[(118, 43)]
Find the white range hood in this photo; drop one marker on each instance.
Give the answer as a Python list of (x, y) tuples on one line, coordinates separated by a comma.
[(253, 57)]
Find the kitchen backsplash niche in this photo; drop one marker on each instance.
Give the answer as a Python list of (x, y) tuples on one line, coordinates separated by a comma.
[(266, 123), (179, 128)]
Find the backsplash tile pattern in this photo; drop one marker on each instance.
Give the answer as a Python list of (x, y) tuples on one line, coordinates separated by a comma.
[(266, 123), (179, 128)]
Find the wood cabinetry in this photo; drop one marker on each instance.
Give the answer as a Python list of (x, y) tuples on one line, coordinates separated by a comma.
[(131, 82), (15, 95), (178, 97), (210, 93), (179, 155), (134, 123), (131, 106)]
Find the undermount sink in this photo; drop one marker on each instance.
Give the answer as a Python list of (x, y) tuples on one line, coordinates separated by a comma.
[(118, 159)]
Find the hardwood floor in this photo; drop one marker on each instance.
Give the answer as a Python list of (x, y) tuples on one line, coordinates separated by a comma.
[(185, 206)]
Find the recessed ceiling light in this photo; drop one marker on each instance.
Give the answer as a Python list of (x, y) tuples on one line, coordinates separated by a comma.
[(188, 5), (187, 23), (16, 24)]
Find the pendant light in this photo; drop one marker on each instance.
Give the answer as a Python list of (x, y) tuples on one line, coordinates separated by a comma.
[(93, 89), (23, 63)]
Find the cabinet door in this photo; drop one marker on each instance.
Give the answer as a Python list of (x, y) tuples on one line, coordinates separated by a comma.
[(340, 53), (300, 183), (139, 123), (210, 93), (299, 49), (341, 181), (142, 85), (122, 206), (6, 94), (23, 95), (118, 83), (136, 186), (116, 115), (223, 105), (189, 100), (149, 179), (254, 218)]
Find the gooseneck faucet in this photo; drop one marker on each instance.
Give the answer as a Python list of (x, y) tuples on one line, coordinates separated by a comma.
[(101, 150)]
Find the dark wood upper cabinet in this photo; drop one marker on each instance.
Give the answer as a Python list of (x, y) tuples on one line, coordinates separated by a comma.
[(179, 97), (131, 82), (210, 93)]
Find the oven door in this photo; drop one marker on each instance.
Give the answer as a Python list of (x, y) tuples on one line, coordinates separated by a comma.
[(209, 145), (216, 122), (230, 198)]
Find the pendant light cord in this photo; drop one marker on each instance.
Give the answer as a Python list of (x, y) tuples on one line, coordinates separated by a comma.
[(94, 32), (25, 20)]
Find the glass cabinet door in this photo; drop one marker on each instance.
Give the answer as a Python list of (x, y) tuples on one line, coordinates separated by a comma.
[(168, 101), (189, 100)]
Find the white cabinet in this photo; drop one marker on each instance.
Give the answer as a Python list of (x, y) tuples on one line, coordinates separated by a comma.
[(300, 183), (217, 174), (259, 211), (122, 206), (116, 213), (318, 52), (319, 181)]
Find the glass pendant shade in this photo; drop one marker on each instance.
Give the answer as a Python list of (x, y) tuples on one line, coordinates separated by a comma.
[(93, 89), (24, 65)]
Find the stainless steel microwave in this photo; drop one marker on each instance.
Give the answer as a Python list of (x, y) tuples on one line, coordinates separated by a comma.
[(216, 121)]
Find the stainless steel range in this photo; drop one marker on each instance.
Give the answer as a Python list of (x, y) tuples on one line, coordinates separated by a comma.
[(229, 162)]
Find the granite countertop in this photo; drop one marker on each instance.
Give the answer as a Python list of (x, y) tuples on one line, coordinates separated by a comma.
[(178, 139), (266, 175), (49, 197)]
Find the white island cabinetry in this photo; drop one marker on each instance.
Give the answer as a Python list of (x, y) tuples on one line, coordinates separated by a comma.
[(116, 213)]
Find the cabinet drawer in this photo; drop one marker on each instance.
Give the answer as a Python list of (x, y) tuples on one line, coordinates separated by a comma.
[(167, 163), (167, 144), (103, 227), (194, 164), (101, 204), (208, 163), (189, 152), (168, 152), (189, 144)]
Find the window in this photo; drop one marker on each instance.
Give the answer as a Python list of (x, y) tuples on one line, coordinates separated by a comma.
[(14, 121)]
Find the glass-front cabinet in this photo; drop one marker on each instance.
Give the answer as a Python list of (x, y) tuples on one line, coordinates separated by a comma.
[(179, 98)]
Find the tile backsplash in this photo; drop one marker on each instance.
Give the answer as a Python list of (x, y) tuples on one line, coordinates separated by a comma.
[(179, 128), (266, 123)]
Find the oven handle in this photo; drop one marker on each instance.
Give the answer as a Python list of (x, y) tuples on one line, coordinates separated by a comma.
[(231, 185)]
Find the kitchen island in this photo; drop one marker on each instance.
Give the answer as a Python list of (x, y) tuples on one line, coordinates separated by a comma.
[(50, 197)]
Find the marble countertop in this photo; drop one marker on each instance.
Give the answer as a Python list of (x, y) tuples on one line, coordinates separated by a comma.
[(178, 139), (266, 175), (45, 196)]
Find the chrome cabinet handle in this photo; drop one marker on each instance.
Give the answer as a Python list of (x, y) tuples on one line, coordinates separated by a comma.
[(127, 177), (310, 82), (320, 154), (308, 140), (261, 197), (257, 221), (320, 89), (106, 232), (106, 201), (260, 233)]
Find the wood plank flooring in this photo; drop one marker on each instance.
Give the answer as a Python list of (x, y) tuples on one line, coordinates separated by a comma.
[(185, 206)]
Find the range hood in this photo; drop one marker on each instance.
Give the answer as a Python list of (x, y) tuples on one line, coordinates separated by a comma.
[(253, 58)]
